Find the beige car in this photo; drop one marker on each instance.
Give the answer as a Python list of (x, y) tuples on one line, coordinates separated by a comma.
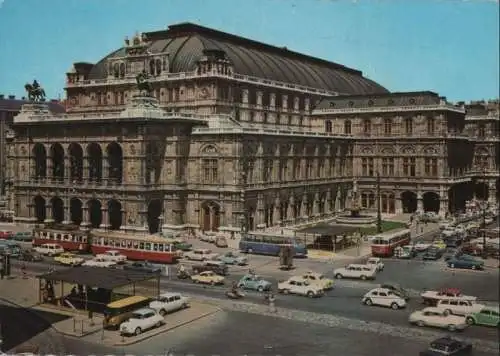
[(207, 277)]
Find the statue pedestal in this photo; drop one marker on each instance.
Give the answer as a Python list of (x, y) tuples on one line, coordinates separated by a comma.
[(35, 108), (143, 106)]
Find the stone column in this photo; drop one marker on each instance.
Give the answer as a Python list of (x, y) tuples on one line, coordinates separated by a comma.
[(272, 100), (67, 169), (303, 207), (276, 212), (399, 205), (105, 168), (50, 175), (328, 199), (105, 218), (86, 217), (492, 193), (86, 172), (420, 202), (48, 213), (289, 210), (260, 212), (316, 204), (67, 211)]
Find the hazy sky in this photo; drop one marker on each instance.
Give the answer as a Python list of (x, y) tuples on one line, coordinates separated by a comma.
[(447, 46)]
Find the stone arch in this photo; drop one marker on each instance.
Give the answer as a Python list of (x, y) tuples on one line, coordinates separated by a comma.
[(155, 209), (115, 214), (114, 153), (57, 158), (95, 213), (75, 152), (94, 154), (431, 201), (76, 211), (209, 149), (409, 202), (40, 210), (408, 150), (210, 216), (40, 160), (57, 210)]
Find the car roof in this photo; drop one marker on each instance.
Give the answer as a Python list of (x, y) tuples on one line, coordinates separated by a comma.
[(446, 341), (143, 311), (169, 294)]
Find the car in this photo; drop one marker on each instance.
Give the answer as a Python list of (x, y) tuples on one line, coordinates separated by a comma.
[(208, 238), (355, 271), (6, 234), (299, 286), (26, 236), (439, 244), (99, 262), (218, 267), (405, 252), (69, 259), (142, 266), (438, 318), (431, 297), (448, 346), (485, 315), (49, 249), (207, 277), (141, 320), (375, 262), (458, 306), (432, 254), (421, 246), (254, 282), (30, 256), (231, 258), (113, 256), (465, 262), (396, 289), (169, 302), (385, 298), (318, 279), (200, 254)]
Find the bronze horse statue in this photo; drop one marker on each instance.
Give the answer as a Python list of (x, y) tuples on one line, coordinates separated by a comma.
[(35, 93), (143, 84)]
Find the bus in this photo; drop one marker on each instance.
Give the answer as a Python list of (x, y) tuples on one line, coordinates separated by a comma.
[(383, 245), (135, 247), (70, 239), (270, 244)]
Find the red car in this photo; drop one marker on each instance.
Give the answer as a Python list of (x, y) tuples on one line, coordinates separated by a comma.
[(5, 235)]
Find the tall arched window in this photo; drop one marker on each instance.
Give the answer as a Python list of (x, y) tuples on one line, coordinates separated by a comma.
[(122, 70), (328, 126), (347, 127), (158, 67), (152, 67), (408, 126), (481, 131), (116, 70), (367, 127), (431, 125)]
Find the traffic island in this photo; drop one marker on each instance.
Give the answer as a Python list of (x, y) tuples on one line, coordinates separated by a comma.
[(174, 320)]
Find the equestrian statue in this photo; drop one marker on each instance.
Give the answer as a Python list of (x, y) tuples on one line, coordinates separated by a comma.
[(143, 83), (35, 92)]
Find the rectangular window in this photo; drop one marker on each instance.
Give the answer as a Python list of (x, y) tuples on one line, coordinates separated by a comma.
[(387, 126), (210, 170), (431, 126), (409, 126)]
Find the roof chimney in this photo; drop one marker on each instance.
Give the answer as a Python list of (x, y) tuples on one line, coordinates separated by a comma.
[(12, 97), (2, 96)]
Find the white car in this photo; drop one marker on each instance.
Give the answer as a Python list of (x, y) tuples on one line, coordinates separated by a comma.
[(458, 306), (169, 302), (208, 238), (99, 262), (141, 320), (422, 246), (113, 255), (49, 249), (298, 285), (355, 271), (200, 254), (317, 279), (384, 297), (436, 317), (432, 297), (375, 262)]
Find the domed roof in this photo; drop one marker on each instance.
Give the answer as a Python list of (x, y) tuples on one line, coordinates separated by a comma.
[(186, 43)]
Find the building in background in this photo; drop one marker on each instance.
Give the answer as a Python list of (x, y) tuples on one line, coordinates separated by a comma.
[(235, 134)]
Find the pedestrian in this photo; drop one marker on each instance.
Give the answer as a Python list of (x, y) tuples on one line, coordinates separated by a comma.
[(272, 300), (23, 270), (2, 271)]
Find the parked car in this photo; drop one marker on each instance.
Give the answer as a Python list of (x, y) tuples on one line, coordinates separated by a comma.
[(254, 282), (465, 261), (435, 317), (432, 297), (208, 238), (25, 236), (49, 249), (113, 256), (207, 277), (215, 266), (99, 262), (458, 306), (405, 252), (169, 302), (221, 242), (30, 256), (383, 297), (6, 234), (486, 315), (318, 279), (232, 258), (421, 246), (200, 254), (375, 262), (396, 289), (439, 244), (432, 254), (69, 259), (448, 346), (141, 320), (355, 271), (299, 286), (142, 266)]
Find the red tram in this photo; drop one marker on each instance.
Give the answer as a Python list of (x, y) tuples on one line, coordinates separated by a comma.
[(70, 239)]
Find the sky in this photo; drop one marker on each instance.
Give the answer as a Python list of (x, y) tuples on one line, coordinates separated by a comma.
[(447, 46)]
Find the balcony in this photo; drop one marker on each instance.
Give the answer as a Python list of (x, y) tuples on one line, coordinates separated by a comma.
[(270, 132)]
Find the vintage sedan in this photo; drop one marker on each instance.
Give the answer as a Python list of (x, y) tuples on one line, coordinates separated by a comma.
[(69, 259), (432, 254), (465, 262), (30, 256), (200, 254), (448, 346), (99, 262), (438, 318), (207, 277), (318, 279), (355, 271), (376, 263), (300, 286), (458, 306), (384, 298), (487, 316), (142, 266), (231, 258), (254, 282), (141, 320), (169, 302), (431, 297)]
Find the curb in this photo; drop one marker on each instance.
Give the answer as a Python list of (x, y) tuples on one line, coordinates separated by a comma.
[(161, 331)]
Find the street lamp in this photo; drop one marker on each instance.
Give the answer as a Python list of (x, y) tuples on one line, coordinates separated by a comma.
[(379, 208)]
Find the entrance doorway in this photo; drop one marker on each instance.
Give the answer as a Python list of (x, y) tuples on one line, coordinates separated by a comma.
[(431, 202), (210, 216), (409, 202)]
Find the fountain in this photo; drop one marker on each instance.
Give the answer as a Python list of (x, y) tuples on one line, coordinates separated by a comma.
[(355, 217)]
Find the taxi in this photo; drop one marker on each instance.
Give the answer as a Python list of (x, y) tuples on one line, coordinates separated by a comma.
[(318, 279), (69, 259), (207, 277), (440, 244)]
